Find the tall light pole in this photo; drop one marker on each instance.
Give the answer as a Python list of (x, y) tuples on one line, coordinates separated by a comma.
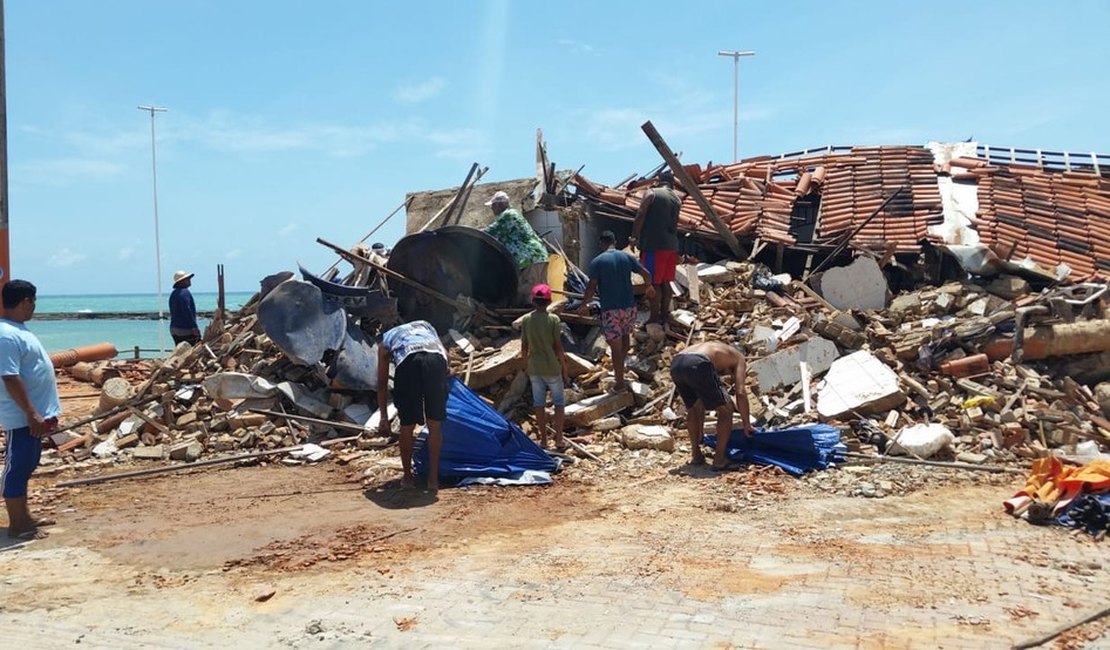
[(735, 54), (157, 240)]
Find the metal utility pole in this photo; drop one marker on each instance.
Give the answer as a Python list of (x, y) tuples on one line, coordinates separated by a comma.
[(735, 54), (157, 240), (5, 260)]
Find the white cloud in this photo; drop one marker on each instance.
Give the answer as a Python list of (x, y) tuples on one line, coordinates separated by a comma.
[(286, 230), (575, 46), (65, 257), (419, 92), (677, 110), (61, 172), (234, 253), (125, 253)]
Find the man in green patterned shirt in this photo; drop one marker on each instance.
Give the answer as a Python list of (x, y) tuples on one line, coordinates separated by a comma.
[(516, 234)]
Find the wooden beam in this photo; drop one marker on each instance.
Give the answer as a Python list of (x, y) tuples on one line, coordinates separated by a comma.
[(691, 188)]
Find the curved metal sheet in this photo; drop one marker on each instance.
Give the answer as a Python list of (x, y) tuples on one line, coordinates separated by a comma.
[(358, 301), (452, 260), (301, 321)]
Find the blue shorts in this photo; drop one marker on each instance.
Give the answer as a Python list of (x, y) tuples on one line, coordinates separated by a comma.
[(540, 386), (22, 452)]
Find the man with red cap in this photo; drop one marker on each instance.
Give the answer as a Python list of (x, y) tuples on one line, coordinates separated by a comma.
[(541, 345)]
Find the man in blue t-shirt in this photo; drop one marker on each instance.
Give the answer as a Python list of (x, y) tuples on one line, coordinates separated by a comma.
[(183, 311), (611, 277), (29, 405), (420, 374)]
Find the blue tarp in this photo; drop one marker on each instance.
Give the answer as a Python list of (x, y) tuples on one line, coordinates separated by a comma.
[(479, 441), (1090, 512), (797, 450)]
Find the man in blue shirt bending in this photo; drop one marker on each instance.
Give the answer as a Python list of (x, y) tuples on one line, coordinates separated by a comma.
[(183, 311)]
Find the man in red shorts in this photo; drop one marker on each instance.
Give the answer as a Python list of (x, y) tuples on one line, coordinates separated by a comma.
[(655, 233)]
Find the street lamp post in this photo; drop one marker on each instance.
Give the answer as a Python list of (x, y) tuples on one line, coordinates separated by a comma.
[(157, 240), (735, 54)]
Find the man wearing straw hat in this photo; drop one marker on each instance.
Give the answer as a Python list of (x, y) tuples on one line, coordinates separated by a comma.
[(183, 311)]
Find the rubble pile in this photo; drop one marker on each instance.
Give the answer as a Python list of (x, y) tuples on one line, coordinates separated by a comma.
[(938, 358), (169, 415)]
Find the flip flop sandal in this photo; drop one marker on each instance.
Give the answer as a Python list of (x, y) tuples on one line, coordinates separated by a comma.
[(731, 467)]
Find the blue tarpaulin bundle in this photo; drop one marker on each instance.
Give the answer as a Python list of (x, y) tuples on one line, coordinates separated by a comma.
[(479, 441), (797, 450)]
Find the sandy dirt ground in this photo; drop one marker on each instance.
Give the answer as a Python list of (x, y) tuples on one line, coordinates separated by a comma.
[(309, 556)]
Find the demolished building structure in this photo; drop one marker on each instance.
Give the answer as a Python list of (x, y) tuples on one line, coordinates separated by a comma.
[(976, 302)]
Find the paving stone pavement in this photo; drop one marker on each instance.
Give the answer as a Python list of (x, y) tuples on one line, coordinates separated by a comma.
[(918, 572)]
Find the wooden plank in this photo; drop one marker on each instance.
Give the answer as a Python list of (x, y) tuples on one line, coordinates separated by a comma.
[(691, 188)]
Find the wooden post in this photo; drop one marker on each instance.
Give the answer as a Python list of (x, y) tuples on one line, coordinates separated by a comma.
[(691, 188), (220, 297)]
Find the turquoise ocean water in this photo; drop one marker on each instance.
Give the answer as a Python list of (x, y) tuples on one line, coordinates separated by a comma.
[(124, 333)]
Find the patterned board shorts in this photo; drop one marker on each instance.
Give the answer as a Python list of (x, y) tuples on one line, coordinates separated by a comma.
[(618, 322)]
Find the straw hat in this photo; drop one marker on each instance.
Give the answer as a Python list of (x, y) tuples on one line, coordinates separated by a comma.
[(181, 276)]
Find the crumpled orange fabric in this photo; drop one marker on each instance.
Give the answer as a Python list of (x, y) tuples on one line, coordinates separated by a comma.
[(1051, 482)]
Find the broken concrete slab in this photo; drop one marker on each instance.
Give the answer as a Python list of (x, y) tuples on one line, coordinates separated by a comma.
[(638, 436), (492, 369), (782, 367), (860, 285), (594, 408), (858, 383)]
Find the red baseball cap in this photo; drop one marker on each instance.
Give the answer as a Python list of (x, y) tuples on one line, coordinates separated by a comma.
[(541, 292)]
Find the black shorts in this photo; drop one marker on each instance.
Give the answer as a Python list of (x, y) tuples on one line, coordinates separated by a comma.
[(695, 379), (420, 388)]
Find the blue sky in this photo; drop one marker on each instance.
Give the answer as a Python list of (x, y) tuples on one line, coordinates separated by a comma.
[(294, 120)]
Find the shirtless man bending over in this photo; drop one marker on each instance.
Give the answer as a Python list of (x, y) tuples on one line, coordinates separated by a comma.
[(696, 374)]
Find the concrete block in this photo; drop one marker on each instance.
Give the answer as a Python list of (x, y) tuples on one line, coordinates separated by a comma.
[(858, 382), (782, 368), (607, 424), (594, 408), (638, 436), (152, 452), (860, 285), (641, 392), (944, 301), (715, 273), (187, 451)]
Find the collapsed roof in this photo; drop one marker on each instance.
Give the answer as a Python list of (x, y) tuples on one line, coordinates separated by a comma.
[(1051, 209)]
